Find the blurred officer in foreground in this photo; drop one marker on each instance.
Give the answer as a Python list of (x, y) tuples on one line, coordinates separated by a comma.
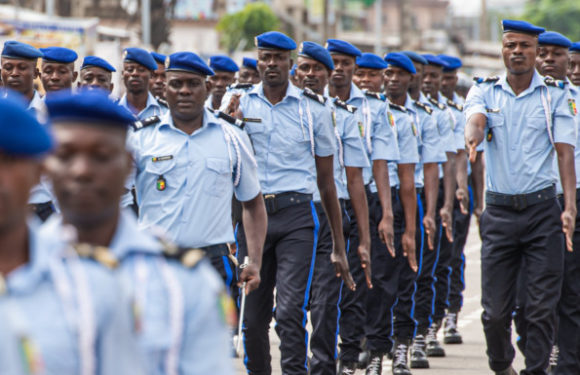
[(57, 69), (314, 66), (224, 75), (249, 71), (522, 118), (174, 292), (96, 73), (82, 329), (158, 79), (138, 68)]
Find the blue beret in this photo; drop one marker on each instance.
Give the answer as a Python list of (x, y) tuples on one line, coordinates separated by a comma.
[(187, 62), (159, 58), (400, 60), (223, 63), (140, 56), (59, 54), (20, 132), (434, 60), (524, 27), (371, 61), (453, 62), (342, 47), (553, 38), (415, 57), (575, 47), (275, 40), (250, 63), (98, 62), (18, 50), (316, 52), (93, 106), (293, 70)]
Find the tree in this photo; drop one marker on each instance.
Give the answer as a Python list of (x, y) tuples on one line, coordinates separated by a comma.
[(239, 29), (555, 15)]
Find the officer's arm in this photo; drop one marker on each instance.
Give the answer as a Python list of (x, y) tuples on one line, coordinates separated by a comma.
[(255, 222), (474, 133), (449, 183), (381, 177), (431, 188), (477, 178), (568, 178), (408, 197), (461, 174)]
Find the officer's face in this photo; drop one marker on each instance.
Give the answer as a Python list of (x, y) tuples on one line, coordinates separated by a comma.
[(136, 77), (519, 52), (397, 81), (186, 94), (312, 74), (247, 75), (274, 66), (553, 61), (157, 82), (369, 79), (448, 83), (96, 78), (574, 69), (417, 80), (343, 71), (431, 80), (19, 75), (88, 170), (17, 177), (57, 76), (220, 82)]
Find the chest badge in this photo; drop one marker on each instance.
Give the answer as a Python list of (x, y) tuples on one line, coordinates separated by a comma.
[(572, 106), (361, 129), (414, 128), (391, 119), (489, 136), (161, 184)]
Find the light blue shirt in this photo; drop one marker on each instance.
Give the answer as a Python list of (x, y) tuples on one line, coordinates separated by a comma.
[(286, 137), (350, 150), (455, 106), (39, 309), (406, 129), (11, 360), (575, 94), (519, 156), (199, 173), (153, 108)]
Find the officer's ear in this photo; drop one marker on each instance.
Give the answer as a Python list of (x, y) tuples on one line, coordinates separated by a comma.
[(75, 76), (208, 86), (111, 87), (291, 61)]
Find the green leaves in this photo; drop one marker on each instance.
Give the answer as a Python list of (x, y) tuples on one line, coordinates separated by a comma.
[(555, 15)]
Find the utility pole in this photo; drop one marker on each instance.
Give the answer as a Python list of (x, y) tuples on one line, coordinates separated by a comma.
[(146, 22), (50, 8), (325, 21), (484, 24), (378, 27)]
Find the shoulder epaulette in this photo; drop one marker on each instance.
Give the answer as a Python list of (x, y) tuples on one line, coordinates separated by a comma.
[(141, 124), (486, 79), (188, 257), (241, 86), (457, 106), (99, 254), (229, 119), (350, 108), (555, 82), (424, 107), (436, 103), (398, 107), (376, 95), (162, 101), (312, 95)]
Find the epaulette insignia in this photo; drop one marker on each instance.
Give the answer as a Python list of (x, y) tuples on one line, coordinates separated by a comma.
[(436, 103), (141, 124), (555, 82), (312, 95), (350, 108), (229, 119), (457, 106), (162, 101), (241, 86), (424, 107), (486, 79), (398, 107), (376, 95), (100, 254), (188, 257)]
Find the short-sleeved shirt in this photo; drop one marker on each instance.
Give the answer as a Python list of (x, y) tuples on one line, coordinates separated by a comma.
[(184, 183), (575, 95), (286, 136), (518, 149), (455, 106), (153, 108)]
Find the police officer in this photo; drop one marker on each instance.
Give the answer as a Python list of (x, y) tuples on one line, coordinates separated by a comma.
[(522, 219), (314, 65), (96, 73), (225, 75), (138, 68), (292, 134), (57, 69), (158, 79), (249, 71), (190, 163), (174, 299), (81, 330)]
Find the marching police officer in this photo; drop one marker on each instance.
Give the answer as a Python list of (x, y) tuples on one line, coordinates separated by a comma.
[(224, 76), (249, 71), (57, 69), (96, 73), (158, 80), (521, 118)]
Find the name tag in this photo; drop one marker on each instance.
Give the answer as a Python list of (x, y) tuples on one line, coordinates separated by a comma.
[(155, 159), (492, 110), (250, 119)]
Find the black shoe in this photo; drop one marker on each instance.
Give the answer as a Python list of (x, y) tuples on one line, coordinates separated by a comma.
[(434, 348), (363, 359), (418, 356), (375, 366), (346, 368), (452, 335), (508, 371), (400, 366), (553, 359)]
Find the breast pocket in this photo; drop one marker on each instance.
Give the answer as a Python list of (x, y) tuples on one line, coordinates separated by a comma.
[(164, 176), (535, 135), (218, 176), (496, 129)]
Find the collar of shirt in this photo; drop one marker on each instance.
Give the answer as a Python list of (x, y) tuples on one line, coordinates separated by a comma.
[(208, 119), (37, 103), (151, 102), (575, 90), (423, 99), (292, 92), (537, 81), (129, 239), (458, 99), (355, 93), (410, 105)]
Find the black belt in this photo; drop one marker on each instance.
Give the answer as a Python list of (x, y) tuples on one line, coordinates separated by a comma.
[(216, 250), (277, 202), (419, 190), (520, 202)]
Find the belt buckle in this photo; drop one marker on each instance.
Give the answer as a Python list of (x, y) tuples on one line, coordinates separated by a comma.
[(519, 202), (270, 201)]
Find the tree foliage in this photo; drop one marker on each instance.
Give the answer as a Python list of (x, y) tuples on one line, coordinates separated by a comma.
[(556, 15), (239, 29)]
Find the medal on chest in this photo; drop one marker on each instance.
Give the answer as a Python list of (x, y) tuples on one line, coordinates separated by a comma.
[(391, 119), (572, 105), (161, 184)]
